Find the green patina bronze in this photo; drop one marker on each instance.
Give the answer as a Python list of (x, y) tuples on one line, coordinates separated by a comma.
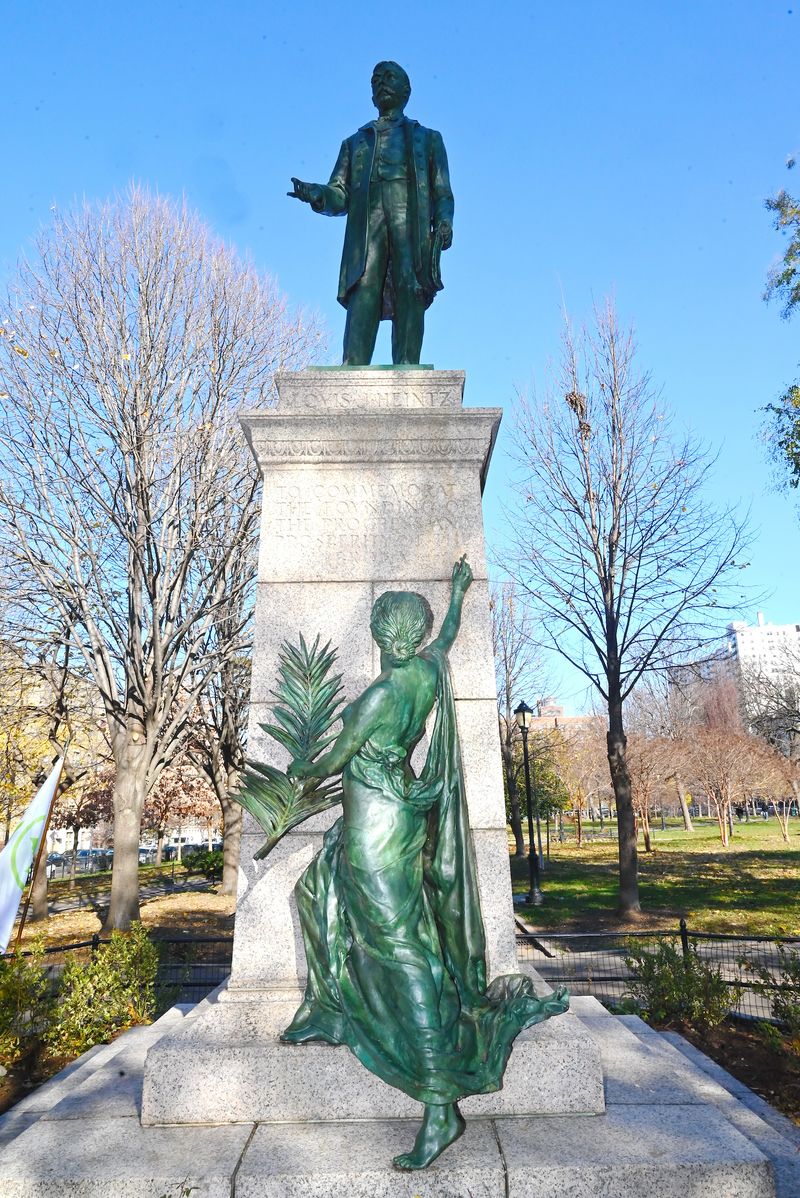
[(391, 181), (389, 908)]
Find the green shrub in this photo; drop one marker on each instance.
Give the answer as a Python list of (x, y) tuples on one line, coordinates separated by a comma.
[(25, 1003), (672, 987), (206, 862), (785, 1002), (771, 1035), (115, 990)]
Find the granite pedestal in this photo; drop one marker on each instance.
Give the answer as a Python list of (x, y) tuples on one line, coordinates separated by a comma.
[(372, 482)]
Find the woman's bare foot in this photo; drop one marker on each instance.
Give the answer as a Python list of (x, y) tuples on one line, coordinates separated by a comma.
[(441, 1127)]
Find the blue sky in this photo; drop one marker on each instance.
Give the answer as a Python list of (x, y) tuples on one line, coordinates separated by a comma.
[(620, 148)]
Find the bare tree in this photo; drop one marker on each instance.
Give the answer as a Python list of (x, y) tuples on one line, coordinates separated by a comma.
[(648, 758), (218, 745), (517, 669), (771, 700), (782, 779), (130, 343), (180, 794), (659, 708), (618, 543), (722, 762), (581, 769)]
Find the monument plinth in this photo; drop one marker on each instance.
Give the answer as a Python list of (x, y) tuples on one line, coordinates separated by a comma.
[(372, 482)]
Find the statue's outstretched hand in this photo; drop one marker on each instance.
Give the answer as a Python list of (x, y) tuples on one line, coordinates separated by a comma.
[(309, 193), (462, 575)]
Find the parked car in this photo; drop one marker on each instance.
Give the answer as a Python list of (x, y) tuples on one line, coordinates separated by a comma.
[(49, 867)]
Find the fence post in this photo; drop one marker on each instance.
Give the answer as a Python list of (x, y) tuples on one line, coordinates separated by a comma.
[(95, 943), (684, 939)]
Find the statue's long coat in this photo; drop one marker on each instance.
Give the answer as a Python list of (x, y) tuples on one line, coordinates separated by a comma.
[(430, 199)]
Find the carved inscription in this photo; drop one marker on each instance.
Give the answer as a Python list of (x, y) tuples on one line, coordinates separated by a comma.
[(331, 394), (349, 520)]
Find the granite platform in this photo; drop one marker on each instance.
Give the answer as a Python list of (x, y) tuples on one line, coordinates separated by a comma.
[(675, 1125)]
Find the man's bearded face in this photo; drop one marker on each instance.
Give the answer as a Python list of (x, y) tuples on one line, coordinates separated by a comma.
[(390, 86)]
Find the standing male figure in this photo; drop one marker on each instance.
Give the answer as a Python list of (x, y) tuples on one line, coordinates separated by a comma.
[(392, 181)]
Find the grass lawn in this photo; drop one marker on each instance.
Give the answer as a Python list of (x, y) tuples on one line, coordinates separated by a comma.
[(198, 913), (192, 912), (750, 888)]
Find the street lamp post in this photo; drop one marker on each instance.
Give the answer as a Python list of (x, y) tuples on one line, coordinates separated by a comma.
[(538, 822), (523, 716)]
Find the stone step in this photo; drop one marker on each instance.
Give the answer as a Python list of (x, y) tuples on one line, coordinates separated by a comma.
[(101, 1059), (627, 1153), (632, 1072), (755, 1102), (671, 1151), (638, 1148), (770, 1131), (227, 1065)]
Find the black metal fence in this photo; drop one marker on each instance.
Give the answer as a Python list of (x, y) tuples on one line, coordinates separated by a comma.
[(189, 966), (595, 963), (585, 962)]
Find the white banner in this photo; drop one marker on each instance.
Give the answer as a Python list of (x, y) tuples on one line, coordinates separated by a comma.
[(20, 852)]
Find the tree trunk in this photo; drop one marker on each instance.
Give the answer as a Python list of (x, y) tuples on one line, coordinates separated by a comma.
[(38, 907), (648, 843), (73, 858), (626, 824), (722, 822), (160, 845), (232, 815), (783, 818), (129, 796), (681, 793), (513, 796), (578, 828)]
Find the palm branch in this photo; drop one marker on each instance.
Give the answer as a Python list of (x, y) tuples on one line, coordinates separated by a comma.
[(308, 701)]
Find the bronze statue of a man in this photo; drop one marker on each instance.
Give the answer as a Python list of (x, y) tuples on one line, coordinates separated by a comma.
[(392, 181)]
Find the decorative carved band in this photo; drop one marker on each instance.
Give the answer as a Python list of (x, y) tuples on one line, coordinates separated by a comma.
[(375, 451)]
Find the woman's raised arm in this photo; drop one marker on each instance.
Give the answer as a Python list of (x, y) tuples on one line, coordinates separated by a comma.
[(461, 579)]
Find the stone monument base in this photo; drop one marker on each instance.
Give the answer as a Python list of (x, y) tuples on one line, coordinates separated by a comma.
[(676, 1125), (226, 1064)]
